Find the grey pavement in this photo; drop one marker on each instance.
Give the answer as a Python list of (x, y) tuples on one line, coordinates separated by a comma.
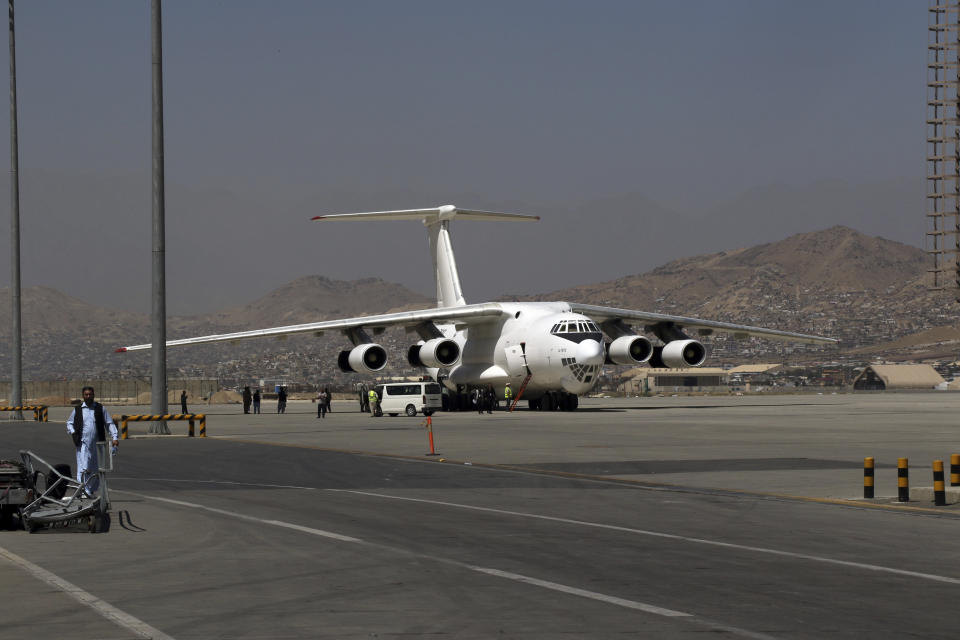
[(288, 526), (804, 445)]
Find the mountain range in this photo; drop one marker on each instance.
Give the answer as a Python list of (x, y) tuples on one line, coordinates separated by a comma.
[(867, 291)]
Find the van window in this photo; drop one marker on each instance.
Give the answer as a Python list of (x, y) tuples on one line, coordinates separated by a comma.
[(403, 390), (432, 388)]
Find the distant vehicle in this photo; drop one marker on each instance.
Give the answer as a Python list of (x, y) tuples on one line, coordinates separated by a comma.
[(410, 398), (550, 352)]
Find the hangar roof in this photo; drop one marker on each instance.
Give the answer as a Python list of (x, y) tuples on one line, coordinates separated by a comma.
[(905, 376), (755, 368)]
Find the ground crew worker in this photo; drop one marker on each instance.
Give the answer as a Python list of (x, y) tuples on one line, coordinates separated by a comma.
[(507, 395), (374, 400), (364, 397)]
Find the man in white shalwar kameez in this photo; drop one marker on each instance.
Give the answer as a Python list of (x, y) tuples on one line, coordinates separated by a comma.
[(87, 428)]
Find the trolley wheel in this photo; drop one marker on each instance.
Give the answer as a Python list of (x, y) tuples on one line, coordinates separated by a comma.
[(32, 527), (6, 516), (410, 410), (99, 522)]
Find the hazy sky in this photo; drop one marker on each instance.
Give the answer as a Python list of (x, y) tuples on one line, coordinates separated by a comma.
[(277, 111)]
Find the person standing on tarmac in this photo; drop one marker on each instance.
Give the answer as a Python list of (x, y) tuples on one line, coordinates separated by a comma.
[(321, 405), (507, 396), (183, 402), (282, 400), (256, 400), (246, 399), (374, 400), (364, 397), (87, 425), (489, 399)]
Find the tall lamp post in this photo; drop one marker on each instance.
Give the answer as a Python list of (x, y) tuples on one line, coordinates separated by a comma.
[(16, 384), (158, 391)]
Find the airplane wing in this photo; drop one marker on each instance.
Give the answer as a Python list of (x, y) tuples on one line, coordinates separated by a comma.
[(703, 327), (459, 316)]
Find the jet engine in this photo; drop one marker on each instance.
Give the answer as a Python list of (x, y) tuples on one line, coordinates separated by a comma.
[(679, 354), (629, 350), (363, 358), (436, 353)]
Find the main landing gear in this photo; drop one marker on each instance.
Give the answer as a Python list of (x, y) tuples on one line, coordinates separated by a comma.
[(555, 401)]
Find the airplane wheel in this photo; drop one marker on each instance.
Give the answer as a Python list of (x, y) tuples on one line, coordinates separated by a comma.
[(534, 405), (549, 402), (574, 402)]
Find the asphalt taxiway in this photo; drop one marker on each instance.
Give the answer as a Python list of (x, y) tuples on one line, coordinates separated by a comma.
[(647, 517)]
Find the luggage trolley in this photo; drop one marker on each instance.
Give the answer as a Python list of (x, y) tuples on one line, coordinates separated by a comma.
[(61, 500)]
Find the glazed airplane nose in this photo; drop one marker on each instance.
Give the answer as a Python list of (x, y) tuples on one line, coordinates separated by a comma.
[(590, 352)]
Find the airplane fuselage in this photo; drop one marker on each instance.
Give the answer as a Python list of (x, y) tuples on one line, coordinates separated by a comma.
[(558, 349)]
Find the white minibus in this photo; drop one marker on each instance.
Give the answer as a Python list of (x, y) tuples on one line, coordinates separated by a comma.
[(410, 398)]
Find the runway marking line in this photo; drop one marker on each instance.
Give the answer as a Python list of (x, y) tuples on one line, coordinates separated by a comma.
[(105, 609), (668, 536), (639, 484), (516, 577)]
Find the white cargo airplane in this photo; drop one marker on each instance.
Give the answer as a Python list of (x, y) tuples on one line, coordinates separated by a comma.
[(550, 352)]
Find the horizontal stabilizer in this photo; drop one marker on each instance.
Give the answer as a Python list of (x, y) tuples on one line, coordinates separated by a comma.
[(432, 214)]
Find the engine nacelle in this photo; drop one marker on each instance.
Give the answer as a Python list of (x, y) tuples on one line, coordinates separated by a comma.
[(629, 350), (436, 353), (363, 358), (679, 354)]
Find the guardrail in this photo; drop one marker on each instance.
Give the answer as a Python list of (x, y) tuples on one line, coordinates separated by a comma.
[(191, 417), (39, 411)]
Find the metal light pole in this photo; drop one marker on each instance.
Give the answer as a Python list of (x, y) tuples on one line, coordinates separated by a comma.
[(158, 390), (16, 385)]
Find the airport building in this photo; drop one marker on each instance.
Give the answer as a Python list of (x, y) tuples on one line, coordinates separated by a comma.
[(889, 377)]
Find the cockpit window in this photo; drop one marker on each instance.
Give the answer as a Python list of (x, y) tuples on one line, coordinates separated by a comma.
[(575, 327)]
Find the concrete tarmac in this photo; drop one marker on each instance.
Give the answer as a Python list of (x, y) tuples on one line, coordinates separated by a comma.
[(803, 445), (629, 518)]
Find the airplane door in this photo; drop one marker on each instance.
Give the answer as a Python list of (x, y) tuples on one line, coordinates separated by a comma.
[(516, 362)]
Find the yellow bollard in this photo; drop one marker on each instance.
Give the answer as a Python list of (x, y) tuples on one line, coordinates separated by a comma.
[(868, 477), (939, 492), (903, 480)]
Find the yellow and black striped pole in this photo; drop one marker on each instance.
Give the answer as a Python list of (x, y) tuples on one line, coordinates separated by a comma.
[(955, 469), (190, 417), (868, 477), (39, 411), (903, 480), (939, 493)]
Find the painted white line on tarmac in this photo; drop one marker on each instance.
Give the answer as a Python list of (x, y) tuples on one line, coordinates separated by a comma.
[(545, 584), (670, 536), (105, 609), (243, 516), (583, 593)]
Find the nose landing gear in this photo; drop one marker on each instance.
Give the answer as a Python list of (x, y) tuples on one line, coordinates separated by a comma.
[(555, 401)]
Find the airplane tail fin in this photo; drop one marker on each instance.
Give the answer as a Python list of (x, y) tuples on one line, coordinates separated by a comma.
[(437, 220)]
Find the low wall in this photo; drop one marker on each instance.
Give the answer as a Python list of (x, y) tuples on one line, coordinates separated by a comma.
[(62, 392)]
